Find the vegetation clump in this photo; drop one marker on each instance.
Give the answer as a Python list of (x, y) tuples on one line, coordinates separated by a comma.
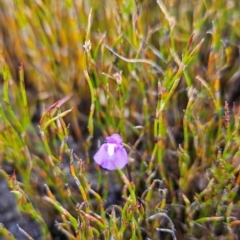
[(119, 119)]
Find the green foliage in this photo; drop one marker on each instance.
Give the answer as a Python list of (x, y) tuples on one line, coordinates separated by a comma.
[(150, 71)]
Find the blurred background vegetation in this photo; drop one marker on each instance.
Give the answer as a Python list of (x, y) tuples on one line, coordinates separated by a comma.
[(156, 72)]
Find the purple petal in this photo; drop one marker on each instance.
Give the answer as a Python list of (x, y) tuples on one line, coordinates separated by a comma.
[(115, 138), (109, 164), (118, 160), (120, 157), (101, 154)]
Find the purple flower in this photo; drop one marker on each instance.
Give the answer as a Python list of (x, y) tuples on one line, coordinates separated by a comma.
[(112, 155)]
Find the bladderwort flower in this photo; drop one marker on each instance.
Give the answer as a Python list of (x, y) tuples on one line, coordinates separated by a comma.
[(111, 155)]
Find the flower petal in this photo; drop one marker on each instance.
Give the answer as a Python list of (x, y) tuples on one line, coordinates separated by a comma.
[(118, 159), (103, 159), (101, 154), (115, 138), (109, 163), (111, 148)]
